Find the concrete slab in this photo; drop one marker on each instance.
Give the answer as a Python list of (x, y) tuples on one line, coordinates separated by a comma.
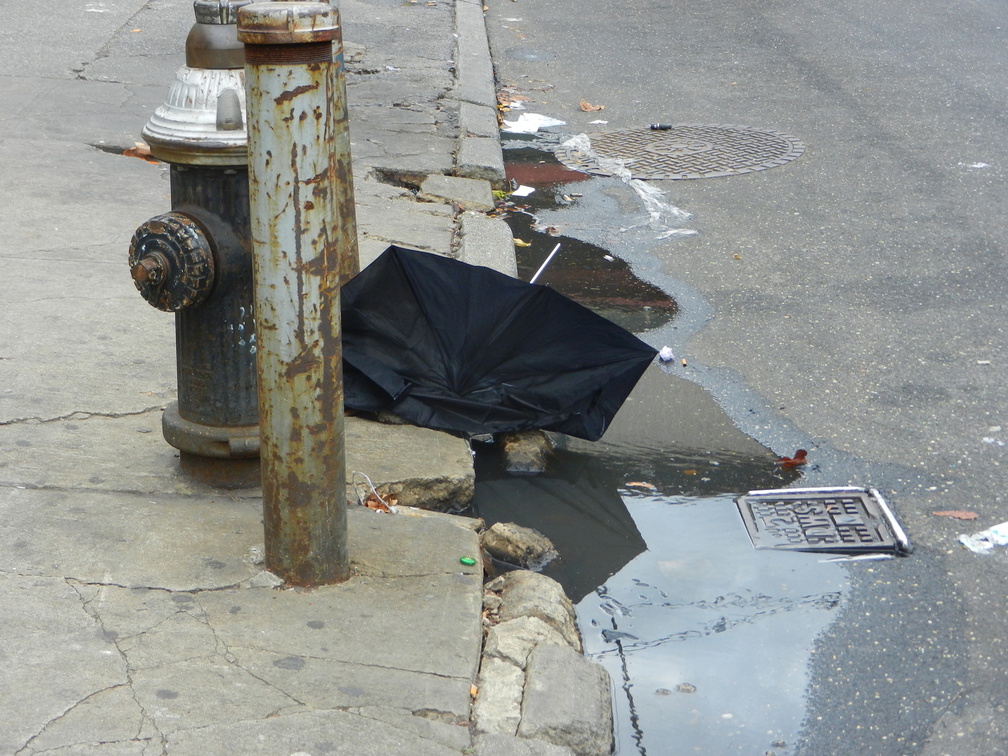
[(186, 657), (480, 158), (488, 242), (415, 225), (479, 120), (170, 542), (330, 732), (128, 453), (470, 194), (44, 634)]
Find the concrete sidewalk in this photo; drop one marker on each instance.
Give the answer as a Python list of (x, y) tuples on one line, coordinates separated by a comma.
[(137, 617)]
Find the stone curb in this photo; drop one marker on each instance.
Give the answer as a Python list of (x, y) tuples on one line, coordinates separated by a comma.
[(479, 154), (534, 684)]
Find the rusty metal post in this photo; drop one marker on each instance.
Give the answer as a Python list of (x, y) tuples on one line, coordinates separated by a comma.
[(346, 211), (297, 241)]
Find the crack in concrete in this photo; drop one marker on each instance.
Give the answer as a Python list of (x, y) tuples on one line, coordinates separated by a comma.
[(233, 660), (105, 49), (86, 603), (221, 649), (26, 748), (81, 416), (389, 576), (194, 496), (436, 715), (313, 657), (128, 683)]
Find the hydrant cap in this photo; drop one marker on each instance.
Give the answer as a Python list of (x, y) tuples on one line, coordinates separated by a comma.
[(218, 11), (287, 23)]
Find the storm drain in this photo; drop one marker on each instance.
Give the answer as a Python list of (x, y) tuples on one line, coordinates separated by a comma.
[(683, 151), (842, 520)]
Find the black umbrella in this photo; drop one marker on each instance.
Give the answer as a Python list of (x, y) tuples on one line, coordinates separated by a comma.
[(464, 348)]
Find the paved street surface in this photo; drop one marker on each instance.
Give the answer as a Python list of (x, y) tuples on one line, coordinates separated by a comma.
[(851, 302)]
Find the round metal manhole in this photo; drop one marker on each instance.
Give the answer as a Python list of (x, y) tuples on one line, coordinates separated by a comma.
[(683, 151)]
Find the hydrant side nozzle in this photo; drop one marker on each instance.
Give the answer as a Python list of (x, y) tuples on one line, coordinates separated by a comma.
[(171, 262)]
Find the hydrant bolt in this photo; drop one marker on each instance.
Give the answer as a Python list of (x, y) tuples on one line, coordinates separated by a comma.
[(150, 271)]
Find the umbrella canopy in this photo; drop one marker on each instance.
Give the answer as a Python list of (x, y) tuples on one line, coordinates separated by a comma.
[(464, 348)]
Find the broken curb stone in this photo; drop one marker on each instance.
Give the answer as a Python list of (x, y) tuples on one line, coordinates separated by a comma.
[(583, 722), (566, 696), (518, 545), (498, 704), (513, 641), (529, 594), (526, 452)]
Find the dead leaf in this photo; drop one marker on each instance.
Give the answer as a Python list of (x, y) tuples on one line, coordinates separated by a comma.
[(640, 484), (797, 460), (589, 108), (377, 503), (473, 690), (142, 151), (689, 472), (519, 243), (959, 514)]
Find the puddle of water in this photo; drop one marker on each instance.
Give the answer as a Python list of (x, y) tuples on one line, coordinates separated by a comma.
[(706, 639)]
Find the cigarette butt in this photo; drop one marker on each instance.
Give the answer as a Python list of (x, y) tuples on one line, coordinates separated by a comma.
[(684, 362)]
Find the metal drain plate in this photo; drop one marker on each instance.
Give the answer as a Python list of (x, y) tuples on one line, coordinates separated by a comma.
[(840, 520), (684, 151)]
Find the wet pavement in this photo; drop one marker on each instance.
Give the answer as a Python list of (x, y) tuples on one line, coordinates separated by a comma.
[(836, 666)]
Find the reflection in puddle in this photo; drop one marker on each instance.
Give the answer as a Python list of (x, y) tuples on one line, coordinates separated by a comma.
[(582, 271), (707, 640)]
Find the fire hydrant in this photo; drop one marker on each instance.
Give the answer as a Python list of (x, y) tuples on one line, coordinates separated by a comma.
[(195, 261)]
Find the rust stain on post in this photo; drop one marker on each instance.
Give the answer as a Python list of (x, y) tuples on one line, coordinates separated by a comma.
[(294, 93)]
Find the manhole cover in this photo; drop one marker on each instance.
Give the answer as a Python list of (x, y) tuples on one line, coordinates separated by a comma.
[(845, 520), (683, 152)]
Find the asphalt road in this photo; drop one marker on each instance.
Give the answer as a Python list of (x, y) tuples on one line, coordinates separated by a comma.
[(852, 301)]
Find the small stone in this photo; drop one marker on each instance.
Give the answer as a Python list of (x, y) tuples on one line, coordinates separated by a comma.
[(685, 688), (527, 452)]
